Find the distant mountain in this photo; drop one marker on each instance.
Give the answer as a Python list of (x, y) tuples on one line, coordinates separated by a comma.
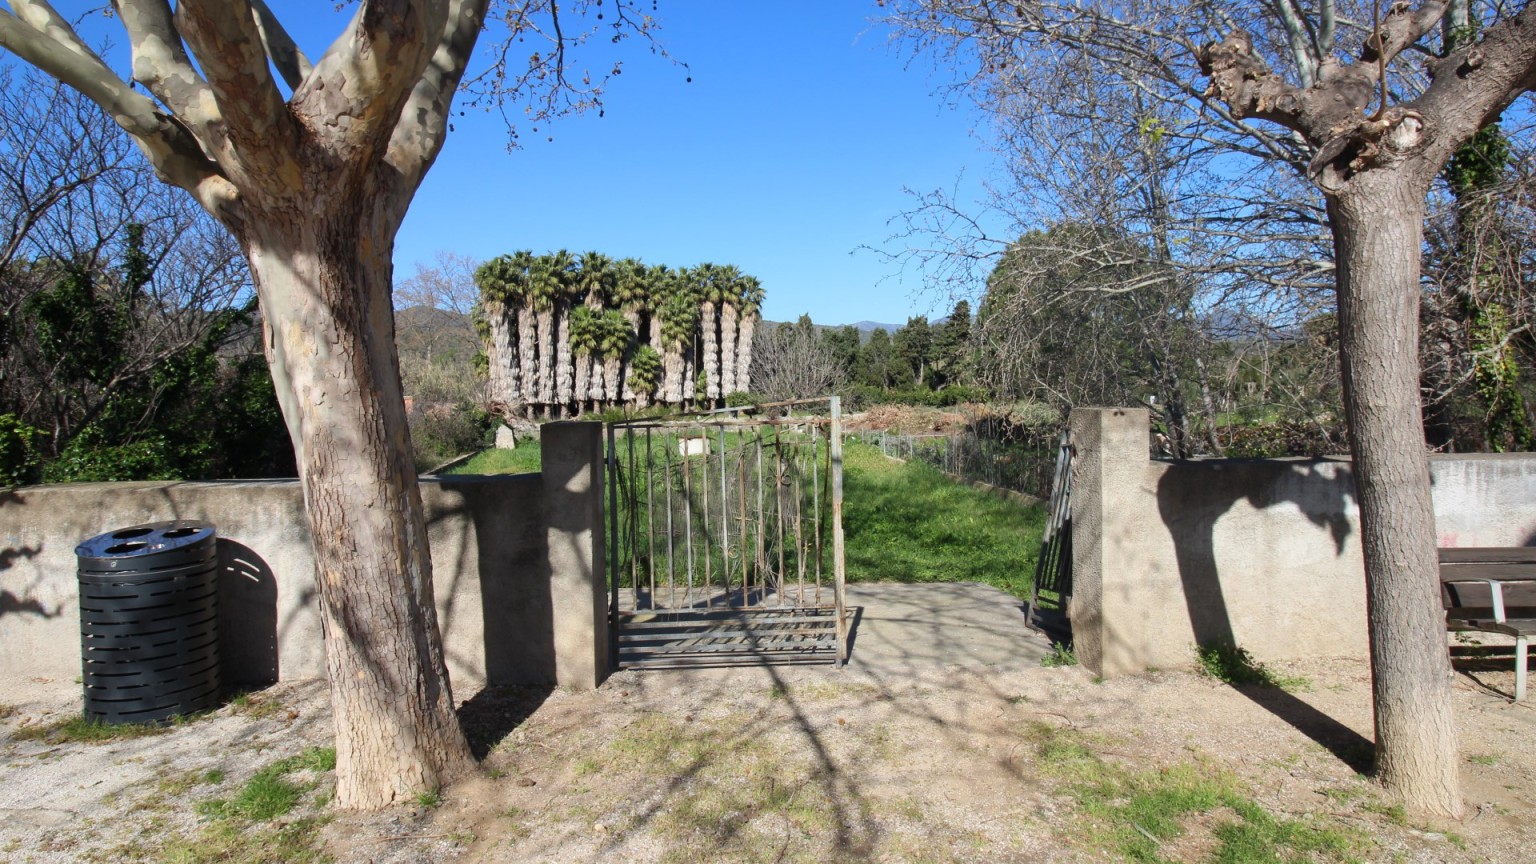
[(871, 326)]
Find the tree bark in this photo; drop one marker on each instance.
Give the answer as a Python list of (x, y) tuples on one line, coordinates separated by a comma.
[(744, 352), (503, 365), (1377, 222), (324, 282), (527, 351), (564, 367), (708, 319), (728, 318), (546, 319)]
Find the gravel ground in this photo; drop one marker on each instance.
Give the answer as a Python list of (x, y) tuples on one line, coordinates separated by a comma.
[(944, 758)]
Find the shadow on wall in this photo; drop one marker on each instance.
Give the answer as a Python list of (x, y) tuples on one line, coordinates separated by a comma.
[(10, 603), (1192, 497), (513, 571), (247, 617)]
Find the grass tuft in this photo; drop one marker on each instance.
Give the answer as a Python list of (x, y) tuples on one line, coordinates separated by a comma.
[(85, 730), (269, 793), (1060, 655), (1137, 812)]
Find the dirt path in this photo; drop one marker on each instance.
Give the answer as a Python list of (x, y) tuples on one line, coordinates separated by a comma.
[(944, 740)]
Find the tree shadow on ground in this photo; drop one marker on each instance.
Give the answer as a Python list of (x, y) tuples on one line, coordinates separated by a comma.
[(1191, 498), (492, 714)]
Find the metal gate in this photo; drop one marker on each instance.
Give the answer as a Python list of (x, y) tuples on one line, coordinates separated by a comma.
[(725, 537), (1053, 569)]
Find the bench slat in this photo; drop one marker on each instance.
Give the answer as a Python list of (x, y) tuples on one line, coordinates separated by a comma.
[(1488, 555)]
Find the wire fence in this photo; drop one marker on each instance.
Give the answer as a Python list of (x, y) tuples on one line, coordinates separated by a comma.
[(1021, 466)]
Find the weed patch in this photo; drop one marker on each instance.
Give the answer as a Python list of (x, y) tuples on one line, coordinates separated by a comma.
[(256, 706), (1060, 655), (1233, 665)]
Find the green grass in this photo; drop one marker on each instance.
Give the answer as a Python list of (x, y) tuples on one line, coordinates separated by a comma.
[(523, 460), (1136, 812), (907, 522), (1232, 664), (269, 793)]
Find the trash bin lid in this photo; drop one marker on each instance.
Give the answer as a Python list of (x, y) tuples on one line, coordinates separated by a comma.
[(153, 544)]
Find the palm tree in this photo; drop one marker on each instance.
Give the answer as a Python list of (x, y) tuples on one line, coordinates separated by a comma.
[(691, 284), (679, 314), (709, 279), (644, 372), (563, 264), (499, 301), (585, 343), (614, 337), (519, 266), (751, 304), (631, 293), (659, 282), (732, 284), (593, 282), (547, 282)]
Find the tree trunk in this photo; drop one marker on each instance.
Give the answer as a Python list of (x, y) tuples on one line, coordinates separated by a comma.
[(546, 356), (584, 381), (1377, 223), (325, 295), (503, 365), (672, 371), (527, 352), (744, 353), (610, 366), (690, 358), (728, 318), (708, 321), (563, 365), (622, 391)]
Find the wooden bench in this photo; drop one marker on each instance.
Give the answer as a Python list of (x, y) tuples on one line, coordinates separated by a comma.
[(1492, 590)]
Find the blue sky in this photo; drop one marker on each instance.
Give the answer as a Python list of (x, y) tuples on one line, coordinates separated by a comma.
[(787, 152)]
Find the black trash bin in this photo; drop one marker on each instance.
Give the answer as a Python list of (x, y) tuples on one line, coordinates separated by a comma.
[(149, 622)]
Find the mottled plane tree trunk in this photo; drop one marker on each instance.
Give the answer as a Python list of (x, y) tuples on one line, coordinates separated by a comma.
[(314, 188)]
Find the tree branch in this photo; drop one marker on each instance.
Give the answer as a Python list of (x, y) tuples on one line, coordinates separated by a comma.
[(227, 46), (161, 64), (41, 37), (364, 79), (423, 126), (275, 41)]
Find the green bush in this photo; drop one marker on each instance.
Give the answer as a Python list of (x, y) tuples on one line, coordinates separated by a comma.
[(443, 432), (19, 459), (84, 462)]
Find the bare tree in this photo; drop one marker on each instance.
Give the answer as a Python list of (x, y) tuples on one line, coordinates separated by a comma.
[(314, 187), (792, 361), (1372, 134), (75, 199)]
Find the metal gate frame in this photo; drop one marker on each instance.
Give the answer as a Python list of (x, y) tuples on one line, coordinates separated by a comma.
[(1053, 569), (721, 558)]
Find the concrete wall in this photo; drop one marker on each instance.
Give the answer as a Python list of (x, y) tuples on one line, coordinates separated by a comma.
[(1266, 553), (507, 616)]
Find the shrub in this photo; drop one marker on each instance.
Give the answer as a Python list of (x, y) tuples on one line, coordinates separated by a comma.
[(19, 459), (83, 462)]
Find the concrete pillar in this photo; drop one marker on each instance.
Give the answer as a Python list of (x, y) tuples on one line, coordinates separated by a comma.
[(1109, 503), (572, 471)]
